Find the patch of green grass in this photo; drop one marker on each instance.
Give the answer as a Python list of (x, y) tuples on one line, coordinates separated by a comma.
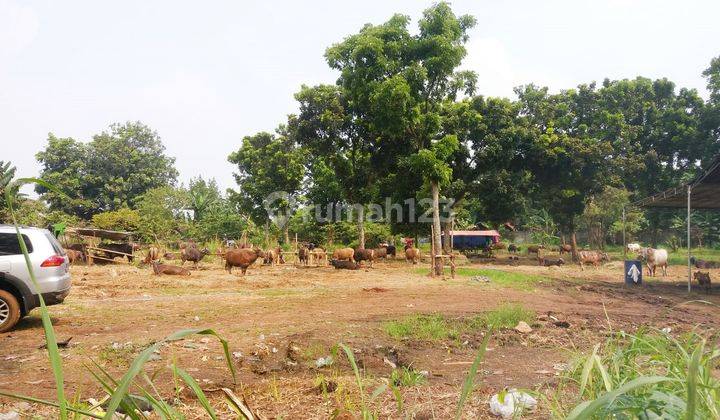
[(422, 327), (436, 327), (506, 316), (514, 280), (406, 377)]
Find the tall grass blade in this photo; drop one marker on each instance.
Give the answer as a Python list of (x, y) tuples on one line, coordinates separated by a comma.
[(587, 409), (587, 368), (192, 383), (470, 378), (137, 365), (603, 373), (49, 404), (692, 379)]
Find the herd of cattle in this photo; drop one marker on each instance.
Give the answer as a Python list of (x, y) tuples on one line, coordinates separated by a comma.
[(243, 256)]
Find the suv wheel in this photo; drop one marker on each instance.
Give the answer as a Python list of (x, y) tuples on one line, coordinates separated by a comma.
[(9, 311)]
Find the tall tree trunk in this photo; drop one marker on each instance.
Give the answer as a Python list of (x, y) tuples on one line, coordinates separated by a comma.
[(573, 239), (435, 190), (361, 227), (286, 233), (446, 237), (562, 238), (331, 234)]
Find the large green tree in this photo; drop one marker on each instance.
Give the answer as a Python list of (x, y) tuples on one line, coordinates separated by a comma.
[(341, 147), (396, 82), (270, 171), (107, 173)]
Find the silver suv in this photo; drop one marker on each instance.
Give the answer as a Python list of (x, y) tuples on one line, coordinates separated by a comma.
[(18, 295)]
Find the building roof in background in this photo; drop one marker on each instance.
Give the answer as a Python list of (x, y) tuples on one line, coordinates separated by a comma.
[(475, 233), (705, 192)]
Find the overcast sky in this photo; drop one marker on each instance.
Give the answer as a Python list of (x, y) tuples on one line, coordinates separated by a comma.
[(205, 74)]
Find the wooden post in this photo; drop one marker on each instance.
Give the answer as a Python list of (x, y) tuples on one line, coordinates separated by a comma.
[(452, 264), (432, 252)]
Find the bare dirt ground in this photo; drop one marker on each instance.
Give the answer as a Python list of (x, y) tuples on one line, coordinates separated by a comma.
[(114, 311)]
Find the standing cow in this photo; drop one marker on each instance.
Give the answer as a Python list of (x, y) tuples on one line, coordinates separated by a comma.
[(242, 258), (592, 257), (654, 258), (193, 254), (412, 254)]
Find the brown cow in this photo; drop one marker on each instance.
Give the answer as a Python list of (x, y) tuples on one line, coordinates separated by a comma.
[(703, 279), (242, 258), (592, 257), (535, 249), (362, 254), (344, 254), (172, 270), (193, 254), (74, 256), (548, 262), (153, 254), (703, 264), (565, 249), (412, 254), (304, 255), (319, 255), (380, 252), (279, 255), (171, 256), (342, 264), (269, 257)]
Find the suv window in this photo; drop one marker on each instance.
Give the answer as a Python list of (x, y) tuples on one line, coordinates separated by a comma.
[(55, 244), (9, 244)]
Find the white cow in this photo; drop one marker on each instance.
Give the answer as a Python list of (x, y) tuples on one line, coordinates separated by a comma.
[(654, 258), (633, 247)]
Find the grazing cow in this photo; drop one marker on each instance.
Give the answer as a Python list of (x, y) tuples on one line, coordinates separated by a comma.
[(171, 256), (703, 279), (592, 257), (380, 252), (319, 255), (346, 265), (270, 257), (361, 254), (703, 264), (193, 254), (389, 249), (633, 247), (565, 249), (547, 262), (412, 255), (279, 255), (654, 258), (535, 249), (74, 256), (153, 254), (344, 254), (172, 270), (242, 258), (304, 255), (513, 248), (122, 248)]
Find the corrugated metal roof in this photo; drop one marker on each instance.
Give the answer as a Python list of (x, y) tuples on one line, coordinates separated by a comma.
[(475, 233), (705, 192)]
